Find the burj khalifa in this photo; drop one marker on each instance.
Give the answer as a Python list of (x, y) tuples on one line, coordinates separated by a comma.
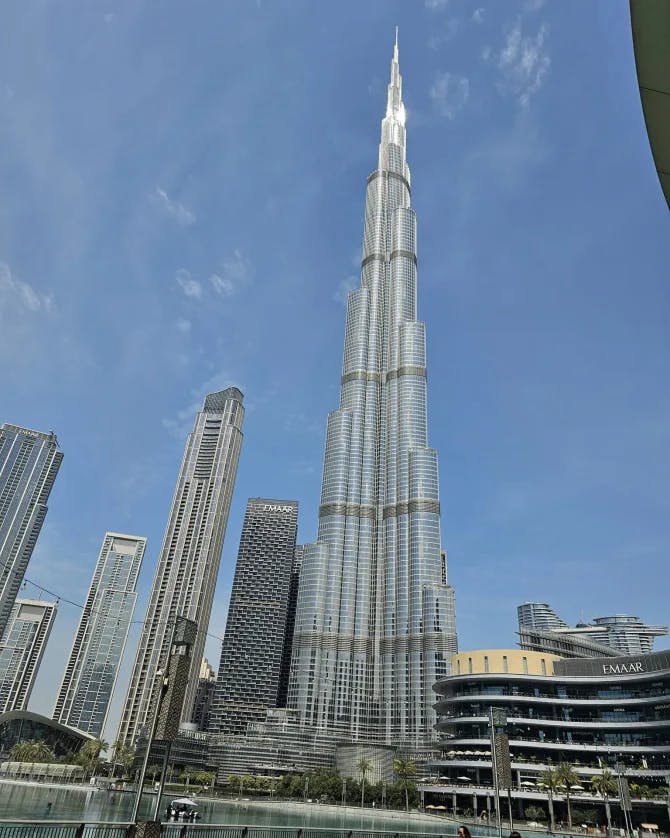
[(375, 622)]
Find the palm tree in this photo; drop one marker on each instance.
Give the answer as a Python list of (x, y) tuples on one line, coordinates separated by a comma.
[(19, 752), (605, 785), (89, 754), (35, 750), (155, 771), (405, 768), (205, 778), (123, 756), (549, 780), (567, 777), (364, 765)]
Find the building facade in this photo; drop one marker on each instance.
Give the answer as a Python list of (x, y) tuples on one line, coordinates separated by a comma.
[(90, 674), (21, 649), (250, 672), (204, 695), (29, 463), (542, 630), (539, 615), (294, 586), (594, 714), (19, 726), (375, 623), (190, 555)]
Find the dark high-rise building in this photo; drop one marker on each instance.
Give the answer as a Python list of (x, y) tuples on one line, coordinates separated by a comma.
[(375, 624), (189, 560), (290, 624), (29, 463), (250, 673)]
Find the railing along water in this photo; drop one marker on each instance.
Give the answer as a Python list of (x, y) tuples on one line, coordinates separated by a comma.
[(77, 829)]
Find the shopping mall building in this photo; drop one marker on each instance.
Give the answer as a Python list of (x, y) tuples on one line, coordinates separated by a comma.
[(592, 713)]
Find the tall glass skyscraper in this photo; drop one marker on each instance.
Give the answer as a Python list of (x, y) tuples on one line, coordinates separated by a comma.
[(29, 463), (375, 623), (90, 674), (189, 560), (249, 679), (21, 649)]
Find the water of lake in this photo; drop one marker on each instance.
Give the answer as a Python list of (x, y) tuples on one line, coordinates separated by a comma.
[(31, 802)]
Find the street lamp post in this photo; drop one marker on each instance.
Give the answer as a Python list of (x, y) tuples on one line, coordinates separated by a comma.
[(150, 740)]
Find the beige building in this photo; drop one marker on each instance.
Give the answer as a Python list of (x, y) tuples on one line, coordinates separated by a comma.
[(502, 661)]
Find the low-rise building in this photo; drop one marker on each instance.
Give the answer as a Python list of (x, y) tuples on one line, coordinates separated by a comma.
[(593, 714)]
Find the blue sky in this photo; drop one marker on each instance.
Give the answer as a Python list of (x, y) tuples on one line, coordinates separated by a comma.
[(182, 206)]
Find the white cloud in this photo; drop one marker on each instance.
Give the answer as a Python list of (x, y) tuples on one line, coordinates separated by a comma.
[(183, 325), (346, 285), (449, 93), (236, 271), (523, 62), (14, 293), (222, 286), (478, 15), (436, 4), (174, 209), (191, 287)]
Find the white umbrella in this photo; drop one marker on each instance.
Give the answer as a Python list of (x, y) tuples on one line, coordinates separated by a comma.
[(468, 779), (186, 801), (577, 788), (528, 783)]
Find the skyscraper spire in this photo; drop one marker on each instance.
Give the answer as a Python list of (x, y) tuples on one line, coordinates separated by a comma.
[(375, 621)]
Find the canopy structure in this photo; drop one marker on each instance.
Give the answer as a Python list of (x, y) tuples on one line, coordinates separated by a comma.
[(650, 21)]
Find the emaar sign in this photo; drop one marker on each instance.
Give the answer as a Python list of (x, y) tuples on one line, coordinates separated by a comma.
[(622, 668)]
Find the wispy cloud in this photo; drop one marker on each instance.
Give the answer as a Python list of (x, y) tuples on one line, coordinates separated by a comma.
[(183, 325), (174, 209), (236, 271), (14, 293), (435, 5), (523, 62), (191, 287), (478, 15), (449, 93), (348, 284), (446, 31)]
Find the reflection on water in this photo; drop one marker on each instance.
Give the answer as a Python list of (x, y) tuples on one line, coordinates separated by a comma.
[(32, 802)]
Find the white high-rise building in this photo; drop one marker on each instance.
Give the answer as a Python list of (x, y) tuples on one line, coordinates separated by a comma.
[(189, 560), (375, 624), (539, 615), (90, 675), (21, 649), (542, 630), (29, 463)]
